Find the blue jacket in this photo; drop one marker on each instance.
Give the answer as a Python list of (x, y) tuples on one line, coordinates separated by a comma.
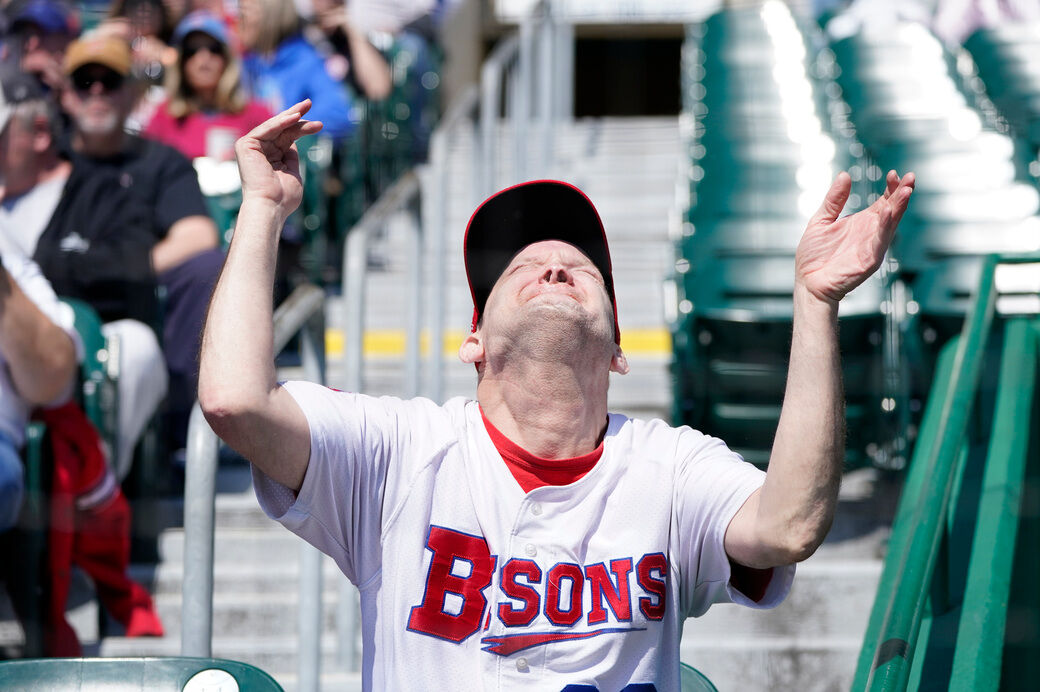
[(295, 72)]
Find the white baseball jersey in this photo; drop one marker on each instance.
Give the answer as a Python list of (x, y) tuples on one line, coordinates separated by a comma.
[(468, 583)]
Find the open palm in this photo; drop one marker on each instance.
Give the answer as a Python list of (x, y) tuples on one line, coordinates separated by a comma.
[(268, 160), (837, 254)]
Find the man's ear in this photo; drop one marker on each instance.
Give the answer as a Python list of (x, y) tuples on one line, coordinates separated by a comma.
[(618, 363), (472, 349)]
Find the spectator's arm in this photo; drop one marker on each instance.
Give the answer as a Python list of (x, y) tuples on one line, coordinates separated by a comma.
[(371, 71), (788, 518), (186, 238), (41, 357), (238, 391)]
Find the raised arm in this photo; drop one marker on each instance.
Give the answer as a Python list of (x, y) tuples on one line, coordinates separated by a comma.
[(238, 391), (41, 357), (788, 518)]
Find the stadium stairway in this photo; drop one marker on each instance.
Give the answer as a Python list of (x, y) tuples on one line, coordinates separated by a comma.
[(629, 167)]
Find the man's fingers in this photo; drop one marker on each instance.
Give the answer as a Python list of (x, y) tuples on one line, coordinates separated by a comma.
[(300, 128), (901, 198), (276, 125), (891, 183), (834, 200)]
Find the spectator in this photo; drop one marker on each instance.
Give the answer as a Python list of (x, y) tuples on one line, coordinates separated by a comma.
[(282, 68), (132, 213), (42, 30), (34, 173), (147, 26), (89, 517), (37, 362), (352, 57), (207, 109), (411, 27), (37, 181), (37, 338)]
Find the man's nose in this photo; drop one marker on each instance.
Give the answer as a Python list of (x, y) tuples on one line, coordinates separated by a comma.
[(556, 274)]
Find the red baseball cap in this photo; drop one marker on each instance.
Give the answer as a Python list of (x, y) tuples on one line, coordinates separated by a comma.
[(510, 220)]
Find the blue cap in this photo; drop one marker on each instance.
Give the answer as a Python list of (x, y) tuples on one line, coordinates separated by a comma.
[(200, 20), (52, 16)]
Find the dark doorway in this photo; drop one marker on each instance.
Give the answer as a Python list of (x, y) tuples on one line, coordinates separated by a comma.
[(626, 76)]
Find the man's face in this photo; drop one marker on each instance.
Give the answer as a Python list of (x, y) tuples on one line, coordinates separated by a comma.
[(549, 282), (17, 152), (43, 53), (99, 100)]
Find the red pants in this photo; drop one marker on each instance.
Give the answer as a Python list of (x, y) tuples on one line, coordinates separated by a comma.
[(90, 528)]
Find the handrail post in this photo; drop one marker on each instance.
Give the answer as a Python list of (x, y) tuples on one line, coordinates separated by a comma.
[(200, 484), (896, 628), (355, 266), (200, 480), (413, 316), (435, 220), (546, 92), (521, 113), (490, 95), (312, 347)]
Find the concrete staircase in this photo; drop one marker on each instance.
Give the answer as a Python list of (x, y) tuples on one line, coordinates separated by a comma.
[(628, 167)]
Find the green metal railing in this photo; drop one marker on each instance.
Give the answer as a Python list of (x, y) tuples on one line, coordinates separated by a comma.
[(941, 618)]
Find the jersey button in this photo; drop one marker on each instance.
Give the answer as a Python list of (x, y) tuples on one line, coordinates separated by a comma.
[(530, 550), (536, 510), (521, 665)]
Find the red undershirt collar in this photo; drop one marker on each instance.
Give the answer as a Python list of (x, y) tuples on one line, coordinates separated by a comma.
[(533, 472)]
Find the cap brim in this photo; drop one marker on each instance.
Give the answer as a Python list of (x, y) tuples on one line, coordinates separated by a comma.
[(531, 212)]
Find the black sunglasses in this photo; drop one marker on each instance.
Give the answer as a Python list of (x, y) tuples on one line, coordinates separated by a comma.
[(213, 48), (110, 81)]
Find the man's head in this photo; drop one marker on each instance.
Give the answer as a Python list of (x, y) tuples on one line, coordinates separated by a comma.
[(42, 31), (27, 131), (99, 98), (538, 263)]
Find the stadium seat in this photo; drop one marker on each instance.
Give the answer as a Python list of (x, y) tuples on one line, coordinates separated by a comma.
[(692, 680), (98, 391), (1007, 58), (166, 674)]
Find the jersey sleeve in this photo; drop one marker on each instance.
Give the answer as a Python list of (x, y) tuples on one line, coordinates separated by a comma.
[(362, 457), (712, 483)]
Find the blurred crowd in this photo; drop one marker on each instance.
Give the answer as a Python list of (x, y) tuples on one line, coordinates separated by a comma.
[(117, 126)]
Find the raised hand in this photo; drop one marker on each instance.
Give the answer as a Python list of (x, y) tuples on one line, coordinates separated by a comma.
[(836, 255), (268, 160)]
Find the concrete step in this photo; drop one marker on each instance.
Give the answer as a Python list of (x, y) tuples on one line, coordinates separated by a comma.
[(829, 599), (280, 577), (242, 546), (807, 663), (249, 615)]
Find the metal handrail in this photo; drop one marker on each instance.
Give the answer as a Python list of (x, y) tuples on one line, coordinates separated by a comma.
[(889, 647), (301, 312)]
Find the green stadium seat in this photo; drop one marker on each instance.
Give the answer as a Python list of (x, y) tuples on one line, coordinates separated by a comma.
[(166, 674), (98, 391), (692, 680)]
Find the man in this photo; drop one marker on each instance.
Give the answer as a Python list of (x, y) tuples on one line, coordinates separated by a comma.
[(89, 519), (37, 340), (531, 538), (35, 183), (132, 215), (42, 31)]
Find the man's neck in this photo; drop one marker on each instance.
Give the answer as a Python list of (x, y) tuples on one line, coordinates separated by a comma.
[(99, 146), (53, 168), (550, 410)]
